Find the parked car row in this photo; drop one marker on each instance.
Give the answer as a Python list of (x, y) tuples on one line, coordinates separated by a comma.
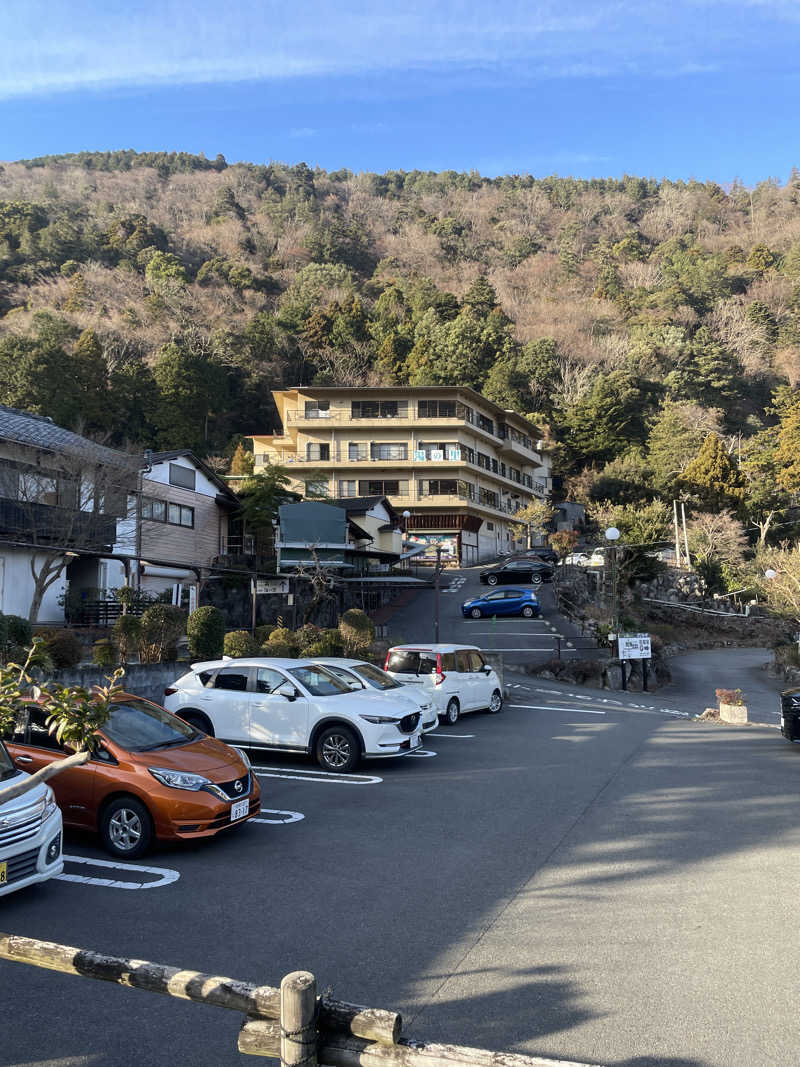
[(174, 773)]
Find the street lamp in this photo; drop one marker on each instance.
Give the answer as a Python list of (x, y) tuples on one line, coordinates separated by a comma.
[(612, 536)]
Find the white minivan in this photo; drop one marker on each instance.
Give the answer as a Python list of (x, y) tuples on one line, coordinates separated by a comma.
[(457, 677), (30, 832)]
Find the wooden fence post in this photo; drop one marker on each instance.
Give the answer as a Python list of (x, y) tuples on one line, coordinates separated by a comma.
[(299, 1020)]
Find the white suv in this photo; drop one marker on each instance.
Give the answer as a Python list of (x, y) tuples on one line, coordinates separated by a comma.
[(294, 705), (369, 676), (30, 832), (457, 677)]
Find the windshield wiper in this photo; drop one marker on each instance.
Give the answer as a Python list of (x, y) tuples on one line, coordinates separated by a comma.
[(167, 744)]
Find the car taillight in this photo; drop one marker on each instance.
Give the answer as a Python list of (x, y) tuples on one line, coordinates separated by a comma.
[(440, 675), (386, 662), (170, 690)]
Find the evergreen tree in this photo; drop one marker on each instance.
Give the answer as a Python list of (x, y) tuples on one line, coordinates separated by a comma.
[(713, 478)]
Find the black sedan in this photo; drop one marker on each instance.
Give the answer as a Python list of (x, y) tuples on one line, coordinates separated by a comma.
[(519, 570)]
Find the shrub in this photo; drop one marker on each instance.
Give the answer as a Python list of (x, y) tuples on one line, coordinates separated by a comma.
[(306, 636), (283, 637), (262, 633), (20, 631), (280, 649), (205, 629), (329, 643), (126, 634), (729, 696), (63, 647), (103, 653), (239, 643), (162, 625), (357, 632)]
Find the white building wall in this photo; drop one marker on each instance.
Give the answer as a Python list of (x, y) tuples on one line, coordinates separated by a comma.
[(16, 587)]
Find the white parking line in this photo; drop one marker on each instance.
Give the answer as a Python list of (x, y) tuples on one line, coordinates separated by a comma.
[(291, 816), (326, 777), (460, 737), (423, 752), (165, 875), (548, 707)]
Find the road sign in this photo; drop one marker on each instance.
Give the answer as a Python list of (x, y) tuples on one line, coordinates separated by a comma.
[(272, 585), (634, 646)]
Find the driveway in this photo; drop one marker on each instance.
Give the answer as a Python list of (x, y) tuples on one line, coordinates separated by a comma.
[(695, 676)]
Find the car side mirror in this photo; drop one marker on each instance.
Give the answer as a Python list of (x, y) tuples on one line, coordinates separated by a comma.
[(487, 670), (287, 690), (355, 686)]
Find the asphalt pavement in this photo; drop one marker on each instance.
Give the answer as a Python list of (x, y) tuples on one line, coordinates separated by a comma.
[(586, 875)]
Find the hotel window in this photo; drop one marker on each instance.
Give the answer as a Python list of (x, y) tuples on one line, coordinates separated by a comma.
[(318, 409), (503, 469), (347, 487), (486, 496), (436, 409), (387, 451), (379, 409), (356, 451), (486, 424), (383, 487), (316, 451), (469, 454), (316, 488), (484, 461), (438, 487)]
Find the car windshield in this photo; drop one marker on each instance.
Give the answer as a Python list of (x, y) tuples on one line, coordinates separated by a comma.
[(377, 678), (138, 726), (7, 768), (319, 681)]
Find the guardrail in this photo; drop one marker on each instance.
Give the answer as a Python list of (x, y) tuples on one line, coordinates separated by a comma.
[(291, 1023)]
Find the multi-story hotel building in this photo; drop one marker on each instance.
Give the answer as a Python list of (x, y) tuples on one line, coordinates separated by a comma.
[(461, 465)]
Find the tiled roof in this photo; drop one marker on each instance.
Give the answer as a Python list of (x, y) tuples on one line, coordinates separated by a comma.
[(37, 431)]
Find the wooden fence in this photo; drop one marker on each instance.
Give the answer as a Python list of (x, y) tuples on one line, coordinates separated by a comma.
[(291, 1024)]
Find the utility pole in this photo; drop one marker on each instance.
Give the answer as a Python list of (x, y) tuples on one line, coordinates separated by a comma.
[(677, 533), (686, 538), (437, 589)]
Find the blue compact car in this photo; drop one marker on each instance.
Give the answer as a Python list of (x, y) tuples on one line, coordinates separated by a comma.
[(503, 602)]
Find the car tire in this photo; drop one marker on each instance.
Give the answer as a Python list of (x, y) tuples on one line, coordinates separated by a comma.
[(492, 579), (126, 828), (337, 749), (496, 702), (476, 613), (452, 712), (528, 612), (536, 579), (199, 721)]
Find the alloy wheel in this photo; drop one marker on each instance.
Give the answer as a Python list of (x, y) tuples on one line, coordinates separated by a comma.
[(336, 750), (125, 829)]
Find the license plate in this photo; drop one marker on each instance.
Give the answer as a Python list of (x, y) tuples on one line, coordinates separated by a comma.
[(239, 810), (3, 872)]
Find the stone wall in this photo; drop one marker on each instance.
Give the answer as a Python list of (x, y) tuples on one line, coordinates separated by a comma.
[(148, 680)]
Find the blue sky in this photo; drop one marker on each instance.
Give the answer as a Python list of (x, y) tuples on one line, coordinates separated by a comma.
[(694, 88)]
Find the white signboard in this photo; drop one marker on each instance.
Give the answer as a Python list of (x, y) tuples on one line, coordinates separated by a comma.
[(272, 585), (419, 455), (437, 455), (454, 454), (634, 646)]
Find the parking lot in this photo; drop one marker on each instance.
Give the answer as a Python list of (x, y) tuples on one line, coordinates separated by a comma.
[(579, 876)]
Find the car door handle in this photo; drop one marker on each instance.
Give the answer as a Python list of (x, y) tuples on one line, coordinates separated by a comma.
[(24, 759)]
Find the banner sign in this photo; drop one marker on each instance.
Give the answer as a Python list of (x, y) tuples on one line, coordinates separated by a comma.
[(634, 646)]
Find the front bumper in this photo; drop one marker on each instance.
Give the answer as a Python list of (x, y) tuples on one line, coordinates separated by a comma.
[(27, 860), (204, 819)]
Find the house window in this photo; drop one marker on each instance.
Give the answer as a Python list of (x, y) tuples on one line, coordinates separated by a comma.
[(489, 525), (347, 487), (178, 515), (182, 476), (154, 509), (317, 452), (381, 451), (318, 409)]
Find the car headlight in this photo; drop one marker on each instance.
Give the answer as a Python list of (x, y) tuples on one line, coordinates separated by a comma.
[(49, 803), (380, 719), (179, 779), (245, 757)]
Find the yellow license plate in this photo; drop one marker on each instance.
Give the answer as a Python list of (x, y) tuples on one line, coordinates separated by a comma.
[(3, 872)]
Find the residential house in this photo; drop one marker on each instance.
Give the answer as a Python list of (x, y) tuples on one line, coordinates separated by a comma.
[(354, 538)]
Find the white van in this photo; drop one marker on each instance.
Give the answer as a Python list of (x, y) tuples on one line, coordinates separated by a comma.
[(30, 832), (457, 677)]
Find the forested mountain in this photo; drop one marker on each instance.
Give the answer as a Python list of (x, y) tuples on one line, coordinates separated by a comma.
[(157, 298)]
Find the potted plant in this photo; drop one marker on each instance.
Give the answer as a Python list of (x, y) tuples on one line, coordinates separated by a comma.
[(732, 707)]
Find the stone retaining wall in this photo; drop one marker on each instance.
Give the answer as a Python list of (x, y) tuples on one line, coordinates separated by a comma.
[(148, 680)]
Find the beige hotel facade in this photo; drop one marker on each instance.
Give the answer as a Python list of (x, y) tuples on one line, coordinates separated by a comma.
[(461, 465)]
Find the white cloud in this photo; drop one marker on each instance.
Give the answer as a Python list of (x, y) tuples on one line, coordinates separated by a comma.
[(57, 45)]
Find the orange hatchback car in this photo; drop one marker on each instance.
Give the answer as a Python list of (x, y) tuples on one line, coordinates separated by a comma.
[(151, 776)]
